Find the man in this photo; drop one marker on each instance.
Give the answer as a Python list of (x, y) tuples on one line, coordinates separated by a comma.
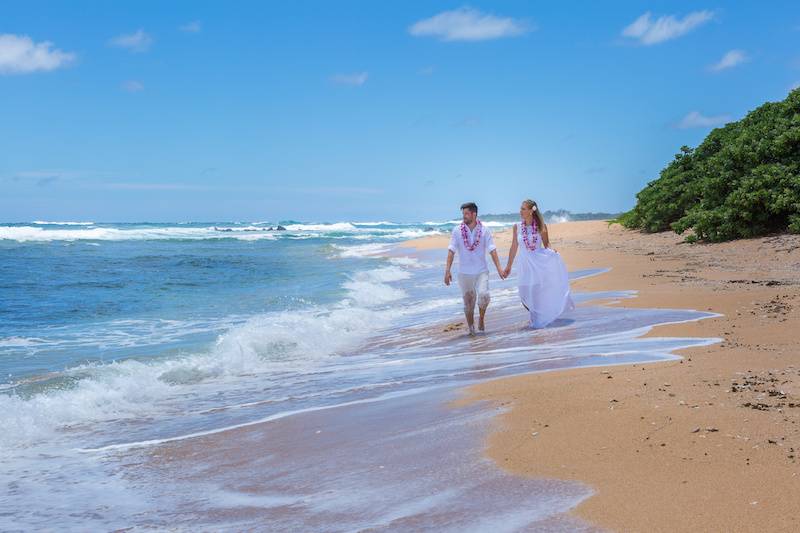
[(471, 240)]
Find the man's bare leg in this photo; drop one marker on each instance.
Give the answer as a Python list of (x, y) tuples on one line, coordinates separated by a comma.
[(469, 311), (483, 305)]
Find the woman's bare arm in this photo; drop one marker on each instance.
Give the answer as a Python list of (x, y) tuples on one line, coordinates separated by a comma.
[(513, 252)]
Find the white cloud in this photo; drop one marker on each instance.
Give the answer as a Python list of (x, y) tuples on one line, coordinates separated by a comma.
[(649, 32), (729, 60), (426, 71), (468, 24), (138, 41), (355, 79), (20, 55), (696, 119), (132, 86), (194, 26)]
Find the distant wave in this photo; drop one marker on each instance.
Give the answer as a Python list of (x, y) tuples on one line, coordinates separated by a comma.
[(446, 222), (496, 224), (488, 223), (46, 223), (397, 235), (225, 229), (37, 234), (297, 231), (45, 231), (337, 226)]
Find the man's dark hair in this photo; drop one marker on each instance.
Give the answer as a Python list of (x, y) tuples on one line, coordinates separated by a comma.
[(472, 206)]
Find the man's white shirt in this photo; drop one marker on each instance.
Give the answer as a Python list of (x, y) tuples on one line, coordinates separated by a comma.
[(472, 262)]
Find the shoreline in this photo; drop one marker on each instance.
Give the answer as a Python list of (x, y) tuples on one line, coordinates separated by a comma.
[(715, 434)]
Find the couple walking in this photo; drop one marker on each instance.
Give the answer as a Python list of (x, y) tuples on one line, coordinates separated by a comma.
[(542, 276)]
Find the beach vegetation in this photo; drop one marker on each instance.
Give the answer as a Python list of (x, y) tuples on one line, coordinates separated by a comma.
[(742, 181)]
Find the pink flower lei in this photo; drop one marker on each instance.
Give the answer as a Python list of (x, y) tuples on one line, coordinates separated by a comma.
[(534, 230), (471, 247)]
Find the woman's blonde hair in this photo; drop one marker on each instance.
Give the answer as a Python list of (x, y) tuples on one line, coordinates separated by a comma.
[(530, 204)]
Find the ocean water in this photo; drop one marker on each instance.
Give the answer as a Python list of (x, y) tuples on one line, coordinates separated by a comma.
[(231, 375)]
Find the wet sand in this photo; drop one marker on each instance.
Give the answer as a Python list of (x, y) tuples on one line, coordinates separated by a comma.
[(707, 443), (411, 464)]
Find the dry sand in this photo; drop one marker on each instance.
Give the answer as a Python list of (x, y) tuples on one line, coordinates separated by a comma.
[(708, 443)]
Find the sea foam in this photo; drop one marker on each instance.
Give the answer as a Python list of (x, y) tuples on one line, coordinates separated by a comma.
[(283, 341)]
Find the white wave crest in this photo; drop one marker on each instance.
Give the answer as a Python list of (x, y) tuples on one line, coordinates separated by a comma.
[(21, 342), (117, 390), (369, 288), (239, 228), (362, 250), (497, 224), (431, 223), (131, 389), (398, 235), (558, 219), (36, 234), (338, 226), (405, 261), (370, 294), (383, 275)]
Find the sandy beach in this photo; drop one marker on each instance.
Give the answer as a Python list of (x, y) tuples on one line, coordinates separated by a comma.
[(709, 442)]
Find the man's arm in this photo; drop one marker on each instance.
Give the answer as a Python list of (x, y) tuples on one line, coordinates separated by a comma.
[(493, 252), (496, 261), (447, 276)]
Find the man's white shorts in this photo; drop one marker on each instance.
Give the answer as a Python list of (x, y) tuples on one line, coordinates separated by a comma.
[(475, 289)]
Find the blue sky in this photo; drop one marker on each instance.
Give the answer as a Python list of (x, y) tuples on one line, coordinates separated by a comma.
[(173, 111)]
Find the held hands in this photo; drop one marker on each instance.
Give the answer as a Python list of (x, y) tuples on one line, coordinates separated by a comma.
[(502, 273), (506, 272), (447, 277)]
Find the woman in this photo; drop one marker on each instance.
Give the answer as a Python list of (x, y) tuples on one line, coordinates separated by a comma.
[(543, 280)]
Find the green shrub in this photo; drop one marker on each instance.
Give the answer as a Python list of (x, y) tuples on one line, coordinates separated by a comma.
[(743, 180)]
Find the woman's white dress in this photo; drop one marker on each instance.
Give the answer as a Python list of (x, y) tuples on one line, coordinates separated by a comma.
[(543, 281)]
